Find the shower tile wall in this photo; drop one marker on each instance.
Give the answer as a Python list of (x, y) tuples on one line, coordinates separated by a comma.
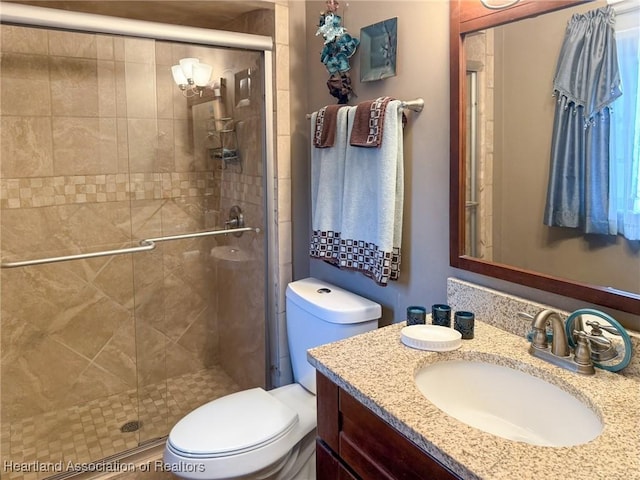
[(96, 153)]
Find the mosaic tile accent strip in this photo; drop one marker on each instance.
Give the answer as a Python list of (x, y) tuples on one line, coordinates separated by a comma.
[(245, 188), (91, 431), (78, 189)]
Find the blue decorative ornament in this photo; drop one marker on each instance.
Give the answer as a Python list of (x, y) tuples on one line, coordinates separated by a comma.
[(331, 64), (337, 63), (325, 54), (330, 27), (339, 46), (348, 44)]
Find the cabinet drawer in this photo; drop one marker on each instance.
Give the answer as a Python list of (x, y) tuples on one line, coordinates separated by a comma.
[(328, 466), (374, 450), (355, 444)]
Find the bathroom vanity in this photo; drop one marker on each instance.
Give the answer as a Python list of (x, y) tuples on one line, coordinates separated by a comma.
[(353, 438), (374, 423)]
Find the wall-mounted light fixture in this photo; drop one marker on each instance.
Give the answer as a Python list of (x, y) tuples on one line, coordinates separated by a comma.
[(498, 4), (191, 76)]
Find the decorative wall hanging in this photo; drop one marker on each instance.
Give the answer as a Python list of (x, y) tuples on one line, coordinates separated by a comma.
[(379, 47), (339, 46)]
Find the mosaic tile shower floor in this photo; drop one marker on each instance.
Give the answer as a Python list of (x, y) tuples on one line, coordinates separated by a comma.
[(91, 431)]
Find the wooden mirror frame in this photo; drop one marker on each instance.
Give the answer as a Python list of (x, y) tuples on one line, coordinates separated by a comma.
[(469, 16)]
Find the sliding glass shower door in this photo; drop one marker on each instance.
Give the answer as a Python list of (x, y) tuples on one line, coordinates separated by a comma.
[(101, 151)]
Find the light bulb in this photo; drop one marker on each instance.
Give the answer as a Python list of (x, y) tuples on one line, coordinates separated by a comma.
[(178, 75), (202, 74), (187, 66)]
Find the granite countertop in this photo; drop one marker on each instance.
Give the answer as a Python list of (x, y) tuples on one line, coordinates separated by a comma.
[(378, 370)]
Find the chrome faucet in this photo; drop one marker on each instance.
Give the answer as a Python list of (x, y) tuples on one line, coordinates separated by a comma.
[(560, 354)]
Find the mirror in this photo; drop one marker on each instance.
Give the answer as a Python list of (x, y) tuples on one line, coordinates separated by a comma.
[(502, 115)]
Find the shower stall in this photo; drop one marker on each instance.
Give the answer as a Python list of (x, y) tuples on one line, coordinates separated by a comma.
[(134, 281)]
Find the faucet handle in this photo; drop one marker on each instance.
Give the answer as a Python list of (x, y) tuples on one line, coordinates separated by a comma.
[(605, 342), (582, 352), (526, 316), (538, 337), (597, 327)]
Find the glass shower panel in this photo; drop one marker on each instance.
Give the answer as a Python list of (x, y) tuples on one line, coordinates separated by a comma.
[(67, 329), (212, 323), (101, 355)]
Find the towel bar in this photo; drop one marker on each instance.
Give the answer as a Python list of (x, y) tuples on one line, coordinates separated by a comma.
[(414, 105)]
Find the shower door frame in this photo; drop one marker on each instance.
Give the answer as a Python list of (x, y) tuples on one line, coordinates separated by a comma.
[(31, 16)]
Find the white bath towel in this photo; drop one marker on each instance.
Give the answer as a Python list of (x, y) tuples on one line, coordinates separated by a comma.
[(372, 201), (327, 180)]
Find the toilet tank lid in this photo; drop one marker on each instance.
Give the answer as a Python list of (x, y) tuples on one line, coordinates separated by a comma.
[(331, 303)]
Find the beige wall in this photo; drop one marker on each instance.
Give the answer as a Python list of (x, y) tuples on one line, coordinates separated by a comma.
[(523, 142), (422, 71)]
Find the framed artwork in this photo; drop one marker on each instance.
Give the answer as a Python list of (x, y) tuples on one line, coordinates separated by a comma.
[(378, 49)]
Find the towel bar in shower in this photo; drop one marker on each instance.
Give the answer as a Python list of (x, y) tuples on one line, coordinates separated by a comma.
[(144, 245)]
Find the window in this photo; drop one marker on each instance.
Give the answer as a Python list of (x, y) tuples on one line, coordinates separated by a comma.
[(624, 176)]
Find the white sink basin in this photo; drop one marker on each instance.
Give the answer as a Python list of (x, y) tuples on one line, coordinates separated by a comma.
[(508, 403)]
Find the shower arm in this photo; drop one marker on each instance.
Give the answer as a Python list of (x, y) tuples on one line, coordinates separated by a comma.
[(144, 246)]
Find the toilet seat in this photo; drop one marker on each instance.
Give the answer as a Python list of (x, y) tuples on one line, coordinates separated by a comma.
[(232, 425), (198, 464)]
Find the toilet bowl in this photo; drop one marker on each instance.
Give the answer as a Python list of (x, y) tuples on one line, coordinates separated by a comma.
[(249, 432), (270, 435)]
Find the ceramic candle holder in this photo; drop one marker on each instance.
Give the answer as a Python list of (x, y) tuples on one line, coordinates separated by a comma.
[(416, 315), (464, 323), (441, 315)]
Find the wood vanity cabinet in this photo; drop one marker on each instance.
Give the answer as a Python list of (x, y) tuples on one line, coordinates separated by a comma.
[(354, 443)]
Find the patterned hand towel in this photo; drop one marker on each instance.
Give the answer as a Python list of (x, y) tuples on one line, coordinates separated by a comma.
[(368, 123), (327, 177), (371, 220), (324, 134)]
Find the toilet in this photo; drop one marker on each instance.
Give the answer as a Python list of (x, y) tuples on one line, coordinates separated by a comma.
[(270, 435)]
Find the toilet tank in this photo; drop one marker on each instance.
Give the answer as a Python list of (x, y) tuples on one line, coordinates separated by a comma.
[(319, 313)]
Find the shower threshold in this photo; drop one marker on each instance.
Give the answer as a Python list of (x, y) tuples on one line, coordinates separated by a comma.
[(145, 458)]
